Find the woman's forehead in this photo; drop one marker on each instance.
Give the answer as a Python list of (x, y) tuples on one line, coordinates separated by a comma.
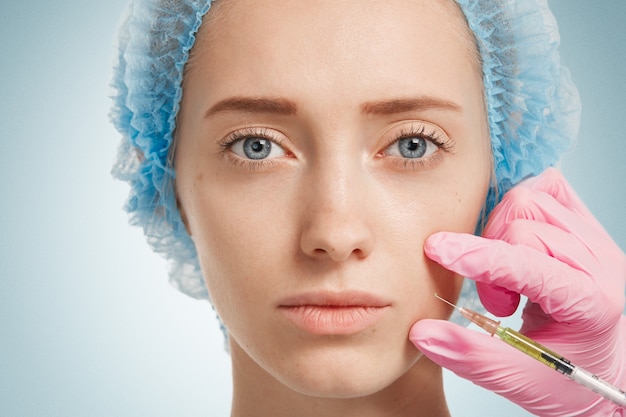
[(341, 40), (362, 20)]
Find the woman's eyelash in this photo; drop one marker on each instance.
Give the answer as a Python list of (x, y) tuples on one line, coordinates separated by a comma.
[(432, 135), (440, 140), (239, 135)]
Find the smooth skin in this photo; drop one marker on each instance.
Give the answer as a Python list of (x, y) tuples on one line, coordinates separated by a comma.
[(318, 145)]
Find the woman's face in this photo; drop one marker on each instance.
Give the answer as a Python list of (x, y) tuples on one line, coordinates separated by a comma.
[(319, 144)]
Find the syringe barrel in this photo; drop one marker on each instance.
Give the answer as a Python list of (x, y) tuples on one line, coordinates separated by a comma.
[(564, 366), (535, 350)]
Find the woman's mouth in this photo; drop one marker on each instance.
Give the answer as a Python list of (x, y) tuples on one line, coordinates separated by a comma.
[(342, 313)]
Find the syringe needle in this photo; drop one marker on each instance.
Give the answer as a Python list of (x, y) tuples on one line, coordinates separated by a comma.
[(489, 325), (447, 302)]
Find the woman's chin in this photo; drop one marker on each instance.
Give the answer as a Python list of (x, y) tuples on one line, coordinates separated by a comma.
[(344, 374)]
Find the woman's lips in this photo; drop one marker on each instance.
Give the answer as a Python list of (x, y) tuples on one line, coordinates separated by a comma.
[(334, 313)]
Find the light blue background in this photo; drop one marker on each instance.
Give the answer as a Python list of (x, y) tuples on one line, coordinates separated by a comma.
[(88, 324)]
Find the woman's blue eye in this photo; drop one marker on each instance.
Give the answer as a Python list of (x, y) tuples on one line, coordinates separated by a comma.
[(413, 147), (257, 148)]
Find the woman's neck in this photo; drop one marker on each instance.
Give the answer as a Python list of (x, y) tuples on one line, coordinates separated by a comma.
[(256, 393)]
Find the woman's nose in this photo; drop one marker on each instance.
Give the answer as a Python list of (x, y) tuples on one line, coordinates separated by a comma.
[(336, 224)]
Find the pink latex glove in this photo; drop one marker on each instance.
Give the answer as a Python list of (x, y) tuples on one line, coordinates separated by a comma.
[(542, 242)]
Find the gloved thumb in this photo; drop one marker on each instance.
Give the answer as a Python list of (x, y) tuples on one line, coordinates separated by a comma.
[(486, 361), (467, 353)]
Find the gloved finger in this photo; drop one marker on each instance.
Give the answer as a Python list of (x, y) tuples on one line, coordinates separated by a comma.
[(516, 204), (533, 200), (563, 292), (551, 241), (552, 182), (573, 341), (526, 203), (498, 300), (573, 253), (496, 366), (547, 239)]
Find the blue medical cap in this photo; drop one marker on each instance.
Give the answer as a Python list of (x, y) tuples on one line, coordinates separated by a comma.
[(533, 109)]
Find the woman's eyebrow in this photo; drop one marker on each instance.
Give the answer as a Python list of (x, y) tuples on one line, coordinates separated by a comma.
[(286, 107), (402, 105), (254, 105)]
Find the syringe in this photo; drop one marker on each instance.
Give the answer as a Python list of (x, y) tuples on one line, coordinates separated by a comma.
[(544, 355)]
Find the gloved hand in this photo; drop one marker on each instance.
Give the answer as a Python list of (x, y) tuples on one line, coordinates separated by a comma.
[(541, 242)]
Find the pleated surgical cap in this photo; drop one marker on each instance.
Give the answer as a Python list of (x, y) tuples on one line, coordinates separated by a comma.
[(533, 109)]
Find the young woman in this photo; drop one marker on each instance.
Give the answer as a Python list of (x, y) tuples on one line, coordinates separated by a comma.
[(319, 169)]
